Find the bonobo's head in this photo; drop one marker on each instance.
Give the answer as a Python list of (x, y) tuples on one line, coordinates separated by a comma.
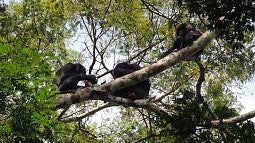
[(123, 65), (183, 29), (121, 69), (79, 68)]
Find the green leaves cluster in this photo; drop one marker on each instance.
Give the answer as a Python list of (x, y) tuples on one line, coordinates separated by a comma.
[(30, 32), (26, 95), (233, 18)]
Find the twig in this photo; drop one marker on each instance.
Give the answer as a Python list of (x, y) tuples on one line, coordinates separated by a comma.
[(152, 9), (91, 112)]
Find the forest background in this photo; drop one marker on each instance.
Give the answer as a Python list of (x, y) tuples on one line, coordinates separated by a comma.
[(35, 40)]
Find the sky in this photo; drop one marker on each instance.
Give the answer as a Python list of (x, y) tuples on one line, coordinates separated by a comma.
[(246, 95)]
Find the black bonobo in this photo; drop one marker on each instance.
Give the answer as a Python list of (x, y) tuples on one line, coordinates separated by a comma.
[(185, 35), (70, 74), (137, 91)]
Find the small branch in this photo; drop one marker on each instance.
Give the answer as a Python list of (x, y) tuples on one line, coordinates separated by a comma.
[(152, 9), (145, 138), (91, 136), (78, 118), (201, 78), (107, 72), (148, 48), (62, 113), (173, 88), (94, 41), (74, 133), (138, 54), (143, 103)]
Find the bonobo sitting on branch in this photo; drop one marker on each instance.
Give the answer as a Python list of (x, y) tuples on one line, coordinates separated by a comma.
[(70, 74), (137, 91), (185, 35)]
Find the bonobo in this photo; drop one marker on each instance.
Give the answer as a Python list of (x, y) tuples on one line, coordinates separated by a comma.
[(137, 91), (71, 82), (185, 35), (70, 74), (67, 70)]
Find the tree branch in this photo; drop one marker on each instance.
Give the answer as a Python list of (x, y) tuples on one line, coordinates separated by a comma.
[(201, 78), (89, 94), (145, 138), (77, 118), (162, 64), (152, 9), (236, 119)]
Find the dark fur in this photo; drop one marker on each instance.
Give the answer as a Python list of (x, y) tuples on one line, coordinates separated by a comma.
[(185, 35), (70, 74), (137, 91), (71, 82), (68, 70)]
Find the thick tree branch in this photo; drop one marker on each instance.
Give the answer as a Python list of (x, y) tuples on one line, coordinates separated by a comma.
[(236, 119), (89, 93), (162, 64), (80, 95)]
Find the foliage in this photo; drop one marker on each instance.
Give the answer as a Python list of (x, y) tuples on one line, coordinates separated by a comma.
[(190, 111), (234, 18), (33, 37), (27, 97)]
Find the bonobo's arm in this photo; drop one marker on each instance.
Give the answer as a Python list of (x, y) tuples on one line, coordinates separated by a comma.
[(177, 45), (63, 76), (192, 36), (119, 72), (91, 78), (70, 83), (135, 66)]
